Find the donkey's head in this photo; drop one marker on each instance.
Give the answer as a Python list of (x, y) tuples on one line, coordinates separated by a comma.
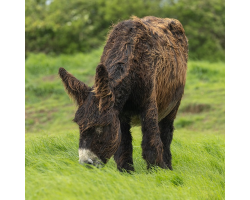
[(97, 119)]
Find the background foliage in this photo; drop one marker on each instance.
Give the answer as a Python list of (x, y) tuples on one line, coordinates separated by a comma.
[(67, 27)]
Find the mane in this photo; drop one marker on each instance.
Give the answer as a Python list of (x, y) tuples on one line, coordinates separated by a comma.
[(119, 52)]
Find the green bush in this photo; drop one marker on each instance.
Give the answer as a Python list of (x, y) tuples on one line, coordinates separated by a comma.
[(79, 25)]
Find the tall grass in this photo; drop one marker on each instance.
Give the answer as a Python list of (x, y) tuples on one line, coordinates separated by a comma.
[(53, 172)]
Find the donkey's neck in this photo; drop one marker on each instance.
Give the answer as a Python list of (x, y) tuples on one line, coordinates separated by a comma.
[(120, 84)]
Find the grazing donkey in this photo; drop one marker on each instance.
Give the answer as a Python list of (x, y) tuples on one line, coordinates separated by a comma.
[(140, 78)]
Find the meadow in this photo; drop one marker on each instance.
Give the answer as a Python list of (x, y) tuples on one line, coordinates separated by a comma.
[(51, 153)]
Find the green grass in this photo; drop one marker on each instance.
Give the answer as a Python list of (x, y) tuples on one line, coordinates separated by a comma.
[(52, 169)]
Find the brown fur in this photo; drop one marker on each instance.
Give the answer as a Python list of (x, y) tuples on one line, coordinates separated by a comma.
[(142, 75), (163, 57)]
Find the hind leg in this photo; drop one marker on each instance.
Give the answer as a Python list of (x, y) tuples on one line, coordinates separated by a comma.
[(123, 155), (166, 126)]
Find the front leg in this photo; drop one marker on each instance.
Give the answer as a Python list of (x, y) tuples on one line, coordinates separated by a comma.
[(123, 155), (152, 147)]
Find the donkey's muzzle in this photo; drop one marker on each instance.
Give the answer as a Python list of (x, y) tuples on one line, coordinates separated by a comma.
[(88, 158)]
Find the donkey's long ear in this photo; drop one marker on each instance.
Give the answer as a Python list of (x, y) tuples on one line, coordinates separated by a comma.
[(75, 88), (102, 89)]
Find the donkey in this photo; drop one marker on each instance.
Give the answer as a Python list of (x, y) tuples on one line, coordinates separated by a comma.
[(140, 80)]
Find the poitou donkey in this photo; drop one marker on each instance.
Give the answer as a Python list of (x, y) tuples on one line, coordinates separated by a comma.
[(140, 79)]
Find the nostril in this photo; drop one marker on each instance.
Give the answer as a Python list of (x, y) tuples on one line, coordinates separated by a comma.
[(89, 161)]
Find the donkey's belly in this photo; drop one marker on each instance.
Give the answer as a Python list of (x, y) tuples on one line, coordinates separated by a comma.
[(136, 121), (164, 112)]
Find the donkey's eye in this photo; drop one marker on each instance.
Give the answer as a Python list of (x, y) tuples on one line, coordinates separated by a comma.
[(99, 129)]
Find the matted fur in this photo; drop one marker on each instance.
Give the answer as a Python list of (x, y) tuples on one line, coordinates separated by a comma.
[(142, 74), (153, 48)]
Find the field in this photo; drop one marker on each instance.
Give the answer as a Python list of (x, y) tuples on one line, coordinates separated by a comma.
[(51, 153)]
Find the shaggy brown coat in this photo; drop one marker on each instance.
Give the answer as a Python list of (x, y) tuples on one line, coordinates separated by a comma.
[(141, 76)]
